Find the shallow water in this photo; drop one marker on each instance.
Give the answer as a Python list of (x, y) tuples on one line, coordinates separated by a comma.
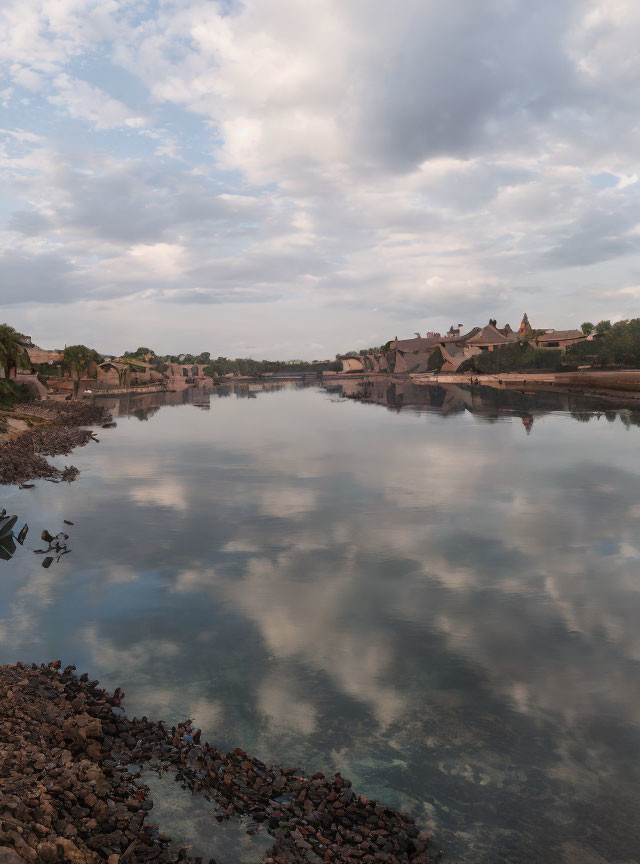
[(437, 595)]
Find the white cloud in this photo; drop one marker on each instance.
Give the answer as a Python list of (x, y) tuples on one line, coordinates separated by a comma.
[(425, 161), (83, 101), (160, 493)]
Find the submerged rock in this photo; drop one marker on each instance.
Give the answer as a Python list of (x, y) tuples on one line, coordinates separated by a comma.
[(68, 793)]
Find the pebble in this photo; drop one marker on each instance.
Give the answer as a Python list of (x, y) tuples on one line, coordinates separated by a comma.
[(68, 791)]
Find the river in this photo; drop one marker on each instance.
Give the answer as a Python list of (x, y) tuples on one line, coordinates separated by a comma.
[(435, 591)]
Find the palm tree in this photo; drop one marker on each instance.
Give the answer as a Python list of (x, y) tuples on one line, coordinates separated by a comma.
[(12, 351)]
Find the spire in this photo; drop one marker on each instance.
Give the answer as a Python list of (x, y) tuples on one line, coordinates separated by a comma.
[(525, 328)]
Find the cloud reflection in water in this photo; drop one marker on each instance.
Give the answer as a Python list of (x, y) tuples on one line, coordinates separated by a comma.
[(441, 607)]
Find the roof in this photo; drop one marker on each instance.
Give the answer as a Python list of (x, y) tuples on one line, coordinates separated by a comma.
[(417, 344), (453, 349), (490, 335), (115, 363), (559, 335), (140, 363), (460, 340)]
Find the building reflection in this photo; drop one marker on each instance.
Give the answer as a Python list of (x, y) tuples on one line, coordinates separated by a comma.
[(488, 403)]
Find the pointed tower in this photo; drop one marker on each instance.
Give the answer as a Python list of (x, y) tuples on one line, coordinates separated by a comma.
[(524, 331)]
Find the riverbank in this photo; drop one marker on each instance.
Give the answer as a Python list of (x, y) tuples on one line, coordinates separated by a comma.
[(617, 386), (34, 430), (68, 763)]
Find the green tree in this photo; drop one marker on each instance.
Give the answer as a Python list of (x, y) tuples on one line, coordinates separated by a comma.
[(615, 344), (587, 328), (76, 359), (13, 354), (516, 357), (140, 353)]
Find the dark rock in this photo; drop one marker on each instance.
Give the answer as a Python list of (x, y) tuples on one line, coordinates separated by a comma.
[(81, 754), (10, 856)]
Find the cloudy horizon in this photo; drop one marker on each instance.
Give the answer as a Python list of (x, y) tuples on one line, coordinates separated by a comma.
[(284, 179)]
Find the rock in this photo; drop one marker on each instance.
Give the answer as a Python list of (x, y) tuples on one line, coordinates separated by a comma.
[(70, 851), (47, 853), (67, 781), (10, 856)]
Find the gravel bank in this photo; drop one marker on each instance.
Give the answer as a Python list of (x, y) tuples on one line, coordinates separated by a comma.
[(68, 793)]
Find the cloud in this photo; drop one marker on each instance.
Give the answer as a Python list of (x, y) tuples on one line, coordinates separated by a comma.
[(426, 163), (168, 493), (82, 101), (45, 277), (29, 222)]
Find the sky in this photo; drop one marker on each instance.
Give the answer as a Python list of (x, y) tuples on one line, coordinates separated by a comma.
[(293, 178)]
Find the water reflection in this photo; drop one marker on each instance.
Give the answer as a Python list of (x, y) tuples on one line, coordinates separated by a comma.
[(443, 608), (490, 403), (7, 536)]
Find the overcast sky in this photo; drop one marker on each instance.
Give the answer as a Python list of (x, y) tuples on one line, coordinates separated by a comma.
[(291, 178)]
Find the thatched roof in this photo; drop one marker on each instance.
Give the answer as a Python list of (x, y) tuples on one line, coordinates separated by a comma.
[(490, 335), (561, 336)]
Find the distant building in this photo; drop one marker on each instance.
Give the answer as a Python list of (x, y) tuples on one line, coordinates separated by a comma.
[(112, 375), (412, 355), (371, 363), (181, 375), (40, 355), (490, 338), (524, 330), (352, 364), (559, 339)]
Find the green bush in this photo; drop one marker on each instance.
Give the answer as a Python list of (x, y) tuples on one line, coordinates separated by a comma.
[(614, 345), (516, 357), (76, 359), (12, 393), (254, 368)]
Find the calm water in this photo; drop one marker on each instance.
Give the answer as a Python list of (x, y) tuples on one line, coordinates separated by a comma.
[(442, 602)]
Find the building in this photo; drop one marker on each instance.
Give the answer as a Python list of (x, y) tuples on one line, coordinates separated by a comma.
[(143, 373), (40, 355), (524, 330), (490, 338), (352, 364), (371, 363), (559, 339), (181, 375), (453, 351), (412, 355), (113, 375)]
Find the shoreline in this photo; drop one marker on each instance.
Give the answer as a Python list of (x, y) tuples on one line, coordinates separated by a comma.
[(623, 389), (67, 792), (34, 430)]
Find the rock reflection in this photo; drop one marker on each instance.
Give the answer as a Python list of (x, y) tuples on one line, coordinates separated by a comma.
[(7, 536), (442, 608)]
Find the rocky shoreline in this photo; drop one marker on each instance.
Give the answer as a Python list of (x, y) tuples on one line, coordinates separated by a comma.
[(69, 759), (46, 428)]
